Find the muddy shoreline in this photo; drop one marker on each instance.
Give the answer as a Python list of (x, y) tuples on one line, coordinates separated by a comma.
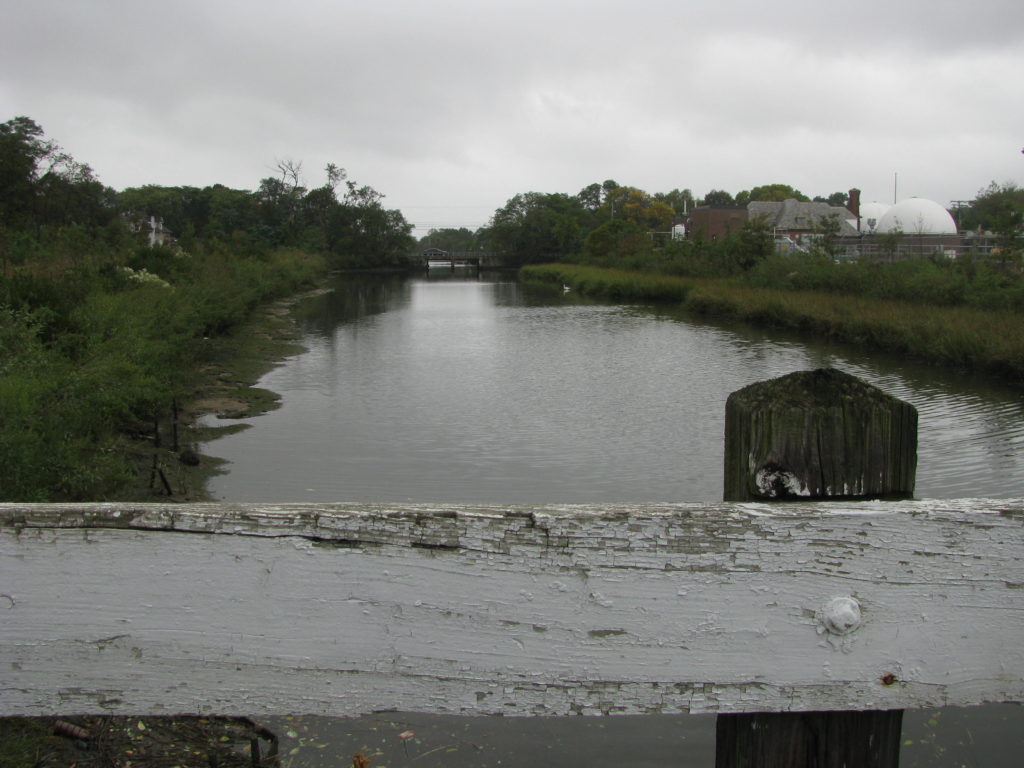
[(170, 461)]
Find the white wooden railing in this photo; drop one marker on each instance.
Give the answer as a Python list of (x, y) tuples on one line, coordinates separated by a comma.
[(340, 609)]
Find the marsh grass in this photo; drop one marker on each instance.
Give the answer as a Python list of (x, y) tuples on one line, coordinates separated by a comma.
[(962, 336), (614, 284)]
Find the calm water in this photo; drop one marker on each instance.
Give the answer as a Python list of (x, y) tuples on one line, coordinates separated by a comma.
[(477, 391), (466, 390)]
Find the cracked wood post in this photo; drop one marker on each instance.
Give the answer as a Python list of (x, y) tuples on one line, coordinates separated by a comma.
[(816, 435)]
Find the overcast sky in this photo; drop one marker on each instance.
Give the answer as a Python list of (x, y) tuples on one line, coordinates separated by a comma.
[(450, 107)]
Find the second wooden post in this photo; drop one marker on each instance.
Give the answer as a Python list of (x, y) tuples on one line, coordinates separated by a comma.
[(815, 435)]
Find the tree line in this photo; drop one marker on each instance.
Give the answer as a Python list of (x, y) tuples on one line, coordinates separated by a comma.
[(100, 334), (612, 225), (344, 221)]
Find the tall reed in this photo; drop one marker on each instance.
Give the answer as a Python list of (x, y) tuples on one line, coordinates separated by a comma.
[(961, 336)]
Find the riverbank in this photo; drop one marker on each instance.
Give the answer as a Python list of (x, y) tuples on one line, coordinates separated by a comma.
[(962, 337), (98, 357), (223, 394)]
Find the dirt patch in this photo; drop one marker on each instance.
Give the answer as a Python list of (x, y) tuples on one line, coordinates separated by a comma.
[(221, 406), (134, 742)]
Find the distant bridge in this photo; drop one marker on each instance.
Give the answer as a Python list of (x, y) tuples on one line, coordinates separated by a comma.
[(435, 258)]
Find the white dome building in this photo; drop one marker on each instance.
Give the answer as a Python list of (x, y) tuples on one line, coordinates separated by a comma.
[(870, 215), (916, 216)]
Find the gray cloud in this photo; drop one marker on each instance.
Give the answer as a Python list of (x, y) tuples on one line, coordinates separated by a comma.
[(449, 109)]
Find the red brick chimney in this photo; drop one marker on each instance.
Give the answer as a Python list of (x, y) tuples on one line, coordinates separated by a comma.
[(854, 205)]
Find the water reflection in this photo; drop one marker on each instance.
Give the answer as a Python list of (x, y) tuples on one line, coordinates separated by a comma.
[(349, 301)]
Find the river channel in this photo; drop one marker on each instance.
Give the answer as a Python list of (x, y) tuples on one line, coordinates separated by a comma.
[(462, 388), (470, 390)]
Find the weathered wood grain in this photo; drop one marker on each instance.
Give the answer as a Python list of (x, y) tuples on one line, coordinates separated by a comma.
[(348, 608), (815, 435)]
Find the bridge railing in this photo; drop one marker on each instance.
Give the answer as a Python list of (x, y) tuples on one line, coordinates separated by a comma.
[(341, 609)]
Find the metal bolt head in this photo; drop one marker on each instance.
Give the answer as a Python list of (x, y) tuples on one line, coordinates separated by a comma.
[(841, 615)]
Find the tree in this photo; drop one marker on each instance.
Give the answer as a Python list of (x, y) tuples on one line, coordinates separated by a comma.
[(619, 243), (450, 239), (718, 197), (533, 227), (681, 201), (22, 149), (358, 231), (40, 184), (227, 213), (756, 243), (166, 203), (591, 196), (772, 193), (335, 175), (840, 199), (997, 208), (642, 209), (826, 237)]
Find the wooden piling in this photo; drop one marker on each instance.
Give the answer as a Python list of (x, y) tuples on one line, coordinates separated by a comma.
[(820, 434), (798, 739)]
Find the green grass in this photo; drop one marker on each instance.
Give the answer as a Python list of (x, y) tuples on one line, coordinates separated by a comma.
[(960, 336), (614, 284)]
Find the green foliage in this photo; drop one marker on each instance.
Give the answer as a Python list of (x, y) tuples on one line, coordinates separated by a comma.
[(614, 284), (726, 256), (960, 336), (450, 239), (91, 355), (618, 243), (534, 227), (693, 258), (680, 201), (770, 193), (718, 197), (998, 209), (41, 185), (98, 333), (639, 208), (826, 237), (754, 243), (969, 281), (620, 226), (353, 232), (841, 199)]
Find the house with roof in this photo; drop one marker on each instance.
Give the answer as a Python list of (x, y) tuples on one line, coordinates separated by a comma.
[(914, 226), (794, 220), (790, 219)]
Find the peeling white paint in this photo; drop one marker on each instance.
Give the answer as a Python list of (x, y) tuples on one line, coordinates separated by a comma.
[(349, 608)]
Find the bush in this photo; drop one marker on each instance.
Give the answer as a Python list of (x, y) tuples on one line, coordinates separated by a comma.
[(101, 349), (967, 282), (613, 284)]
